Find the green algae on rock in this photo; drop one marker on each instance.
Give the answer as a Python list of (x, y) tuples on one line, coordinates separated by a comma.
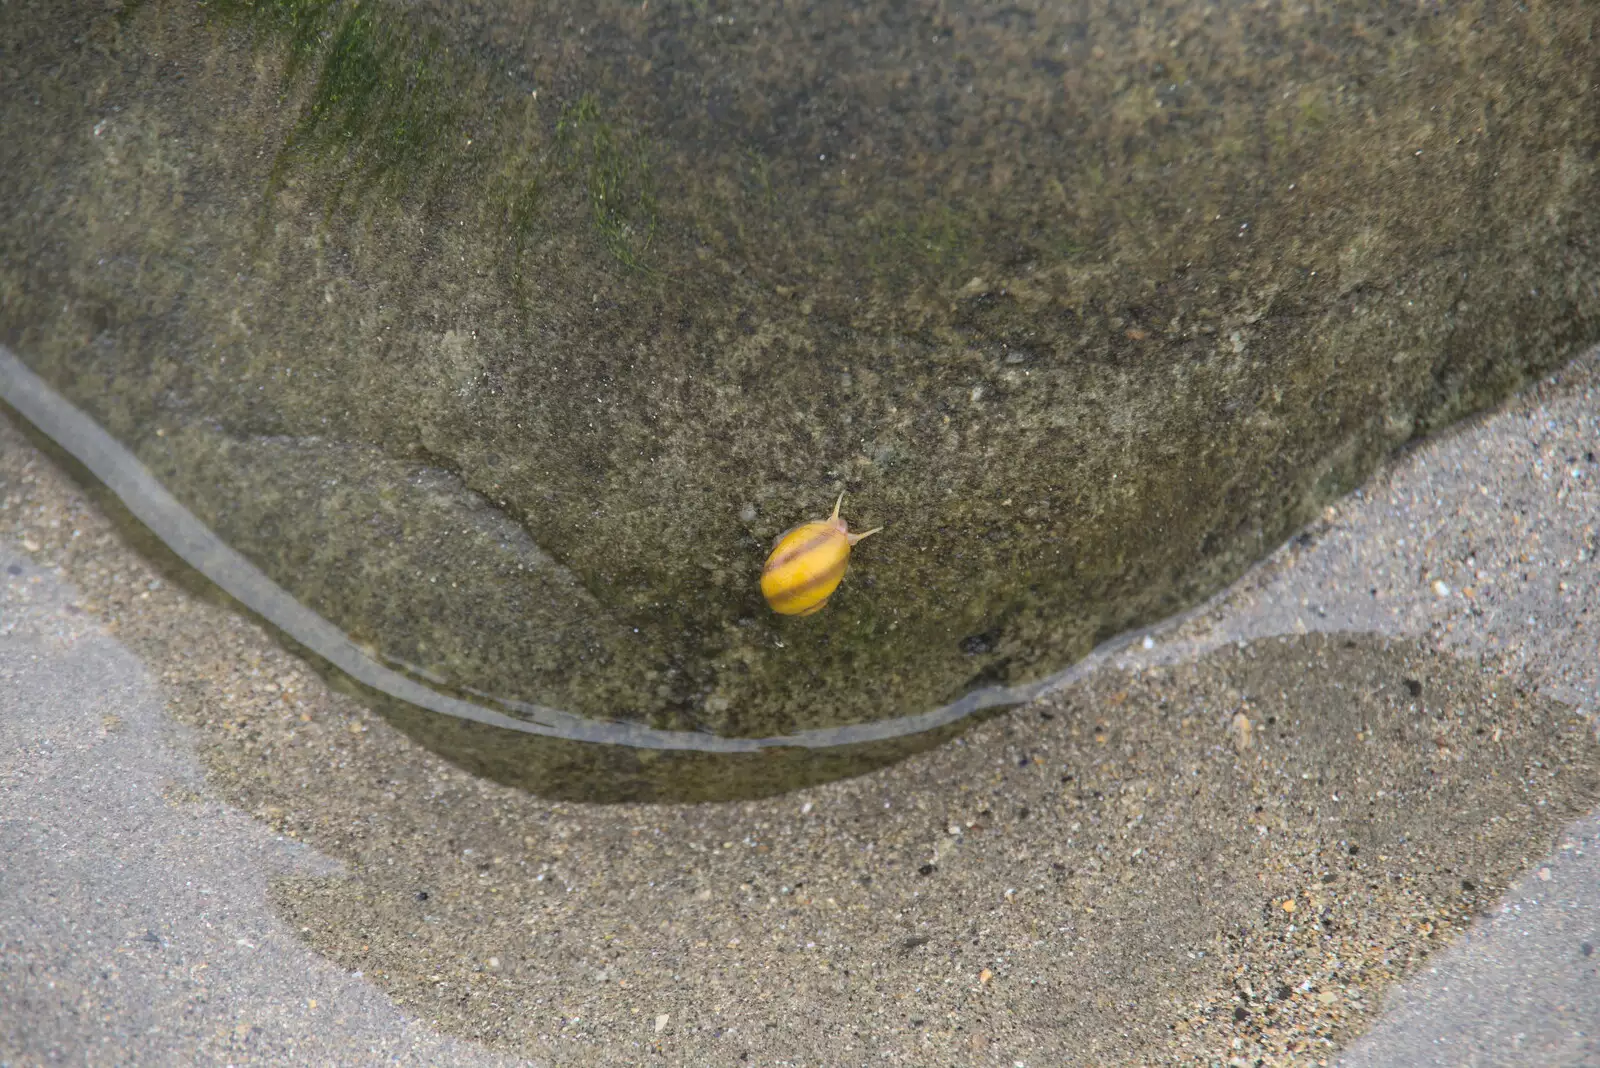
[(508, 338)]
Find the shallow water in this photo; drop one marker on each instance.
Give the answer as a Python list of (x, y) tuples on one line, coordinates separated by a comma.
[(485, 348), (386, 677)]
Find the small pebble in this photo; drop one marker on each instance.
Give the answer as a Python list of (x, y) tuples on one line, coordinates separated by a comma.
[(1242, 730)]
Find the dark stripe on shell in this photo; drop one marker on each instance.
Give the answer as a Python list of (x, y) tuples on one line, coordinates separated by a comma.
[(819, 538), (794, 593)]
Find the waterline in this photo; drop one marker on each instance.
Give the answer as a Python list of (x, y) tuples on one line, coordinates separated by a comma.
[(197, 545)]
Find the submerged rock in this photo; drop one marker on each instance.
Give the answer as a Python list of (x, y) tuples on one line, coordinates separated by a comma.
[(508, 337)]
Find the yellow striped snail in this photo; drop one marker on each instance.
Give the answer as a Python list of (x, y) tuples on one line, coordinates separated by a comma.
[(807, 563)]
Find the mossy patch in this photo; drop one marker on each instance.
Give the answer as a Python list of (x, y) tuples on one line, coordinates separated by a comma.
[(615, 167), (385, 108)]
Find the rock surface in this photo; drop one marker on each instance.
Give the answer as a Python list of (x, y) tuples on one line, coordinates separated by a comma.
[(508, 338)]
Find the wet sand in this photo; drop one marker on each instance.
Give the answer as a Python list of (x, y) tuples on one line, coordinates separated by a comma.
[(1227, 846)]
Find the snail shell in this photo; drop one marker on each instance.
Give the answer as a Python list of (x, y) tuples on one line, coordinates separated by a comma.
[(807, 563)]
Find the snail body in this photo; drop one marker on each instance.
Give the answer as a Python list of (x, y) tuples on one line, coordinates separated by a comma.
[(807, 564)]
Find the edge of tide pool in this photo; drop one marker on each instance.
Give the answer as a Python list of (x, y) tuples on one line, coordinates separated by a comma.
[(122, 474)]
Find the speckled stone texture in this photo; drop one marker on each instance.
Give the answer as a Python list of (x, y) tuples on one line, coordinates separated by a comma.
[(1225, 847), (509, 335)]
